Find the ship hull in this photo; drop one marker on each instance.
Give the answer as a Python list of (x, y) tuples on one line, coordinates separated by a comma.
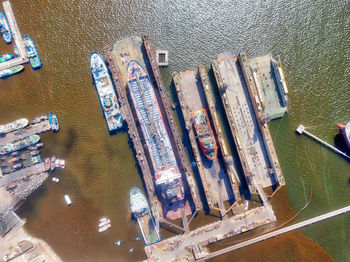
[(140, 209), (106, 93), (19, 145), (32, 53), (13, 126), (345, 130), (11, 71), (6, 57), (167, 176), (6, 33)]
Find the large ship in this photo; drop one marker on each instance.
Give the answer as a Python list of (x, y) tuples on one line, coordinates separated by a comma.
[(11, 71), (345, 130), (5, 29), (167, 177), (13, 126), (205, 134), (141, 211), (32, 54), (106, 93), (18, 145), (6, 57)]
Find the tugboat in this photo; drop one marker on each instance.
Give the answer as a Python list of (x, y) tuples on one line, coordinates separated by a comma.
[(106, 93), (345, 130), (205, 134), (33, 56), (53, 122), (5, 29), (6, 57), (140, 209), (11, 71)]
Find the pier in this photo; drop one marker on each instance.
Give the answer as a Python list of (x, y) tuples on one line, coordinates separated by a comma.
[(214, 176), (277, 232), (301, 130), (18, 39), (32, 129), (22, 173)]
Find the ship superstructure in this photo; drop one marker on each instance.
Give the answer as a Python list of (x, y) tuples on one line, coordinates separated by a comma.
[(106, 92), (205, 134), (167, 177)]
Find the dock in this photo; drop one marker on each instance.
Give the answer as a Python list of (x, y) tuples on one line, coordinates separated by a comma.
[(22, 173), (32, 129), (252, 138), (214, 176), (278, 232), (301, 130), (18, 39), (193, 246)]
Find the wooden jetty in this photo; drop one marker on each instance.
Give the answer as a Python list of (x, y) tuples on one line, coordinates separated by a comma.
[(18, 39)]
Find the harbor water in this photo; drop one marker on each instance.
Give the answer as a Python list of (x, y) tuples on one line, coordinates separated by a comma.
[(310, 38)]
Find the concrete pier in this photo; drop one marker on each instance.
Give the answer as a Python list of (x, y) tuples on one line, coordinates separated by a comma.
[(301, 130), (22, 173), (18, 39)]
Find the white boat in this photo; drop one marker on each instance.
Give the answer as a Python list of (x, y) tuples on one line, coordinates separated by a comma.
[(104, 228), (102, 219), (55, 179), (108, 221), (68, 201)]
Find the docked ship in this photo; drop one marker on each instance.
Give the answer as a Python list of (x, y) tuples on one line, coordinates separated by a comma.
[(205, 134), (18, 145), (167, 177), (345, 130), (31, 51), (106, 93), (13, 126), (11, 71), (53, 122), (141, 211), (6, 57), (5, 29)]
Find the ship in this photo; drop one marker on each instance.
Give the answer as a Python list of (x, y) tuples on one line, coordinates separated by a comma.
[(31, 51), (168, 180), (11, 71), (13, 126), (141, 211), (345, 130), (5, 29), (106, 92), (6, 57), (18, 145), (205, 134), (53, 122)]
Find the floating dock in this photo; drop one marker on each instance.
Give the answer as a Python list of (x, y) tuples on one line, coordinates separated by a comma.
[(260, 166), (218, 184), (270, 84), (18, 39)]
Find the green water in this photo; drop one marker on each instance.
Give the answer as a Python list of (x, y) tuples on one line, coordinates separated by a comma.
[(310, 37)]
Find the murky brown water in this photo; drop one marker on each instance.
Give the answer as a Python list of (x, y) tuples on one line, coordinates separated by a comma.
[(311, 39)]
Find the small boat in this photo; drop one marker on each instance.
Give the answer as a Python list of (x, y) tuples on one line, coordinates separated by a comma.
[(6, 57), (131, 250), (5, 29), (36, 146), (103, 219), (104, 228), (53, 122), (345, 130), (13, 126), (68, 201), (53, 165), (47, 164), (35, 152), (32, 53), (141, 211), (60, 163), (55, 179), (117, 243), (17, 166), (39, 119), (108, 221), (13, 159), (11, 71), (14, 153)]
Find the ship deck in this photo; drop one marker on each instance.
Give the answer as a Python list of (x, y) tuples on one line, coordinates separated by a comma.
[(213, 173), (266, 80), (243, 122)]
